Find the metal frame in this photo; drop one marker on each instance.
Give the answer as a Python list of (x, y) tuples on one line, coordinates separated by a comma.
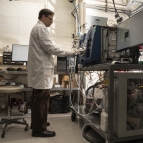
[(110, 68), (121, 105)]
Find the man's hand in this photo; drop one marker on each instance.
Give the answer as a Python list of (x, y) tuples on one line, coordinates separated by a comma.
[(72, 53)]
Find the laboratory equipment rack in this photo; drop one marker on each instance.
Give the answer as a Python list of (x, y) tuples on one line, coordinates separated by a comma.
[(7, 59), (109, 137)]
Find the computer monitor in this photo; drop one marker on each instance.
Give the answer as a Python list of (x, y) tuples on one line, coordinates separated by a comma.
[(20, 53), (130, 32), (95, 20)]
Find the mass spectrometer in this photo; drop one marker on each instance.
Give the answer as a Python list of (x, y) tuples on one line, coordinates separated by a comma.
[(99, 44)]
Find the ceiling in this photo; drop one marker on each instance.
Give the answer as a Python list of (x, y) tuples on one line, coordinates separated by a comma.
[(119, 2), (130, 7)]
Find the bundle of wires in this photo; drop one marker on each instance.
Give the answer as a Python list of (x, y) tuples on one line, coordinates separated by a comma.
[(117, 16)]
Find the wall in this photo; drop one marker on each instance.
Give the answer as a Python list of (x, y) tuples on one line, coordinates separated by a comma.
[(83, 11), (16, 22), (33, 1), (64, 23), (18, 17), (109, 15)]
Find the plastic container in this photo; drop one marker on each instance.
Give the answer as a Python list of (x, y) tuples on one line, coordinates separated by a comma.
[(104, 121)]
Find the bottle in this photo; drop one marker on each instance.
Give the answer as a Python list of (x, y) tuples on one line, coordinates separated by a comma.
[(104, 121)]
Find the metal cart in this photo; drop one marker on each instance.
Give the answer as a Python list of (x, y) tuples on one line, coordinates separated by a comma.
[(110, 136)]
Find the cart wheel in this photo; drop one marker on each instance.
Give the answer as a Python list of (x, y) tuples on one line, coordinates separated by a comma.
[(26, 128), (2, 135), (73, 117)]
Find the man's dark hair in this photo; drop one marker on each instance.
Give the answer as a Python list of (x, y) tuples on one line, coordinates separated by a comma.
[(45, 12)]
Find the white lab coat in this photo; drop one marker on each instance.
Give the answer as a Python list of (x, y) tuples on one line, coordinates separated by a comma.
[(40, 58)]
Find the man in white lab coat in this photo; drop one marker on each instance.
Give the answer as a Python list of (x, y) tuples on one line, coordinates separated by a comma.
[(41, 71)]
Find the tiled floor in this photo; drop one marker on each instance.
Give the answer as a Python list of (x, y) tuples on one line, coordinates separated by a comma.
[(66, 131)]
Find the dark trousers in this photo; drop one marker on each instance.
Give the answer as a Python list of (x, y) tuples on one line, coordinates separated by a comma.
[(39, 109)]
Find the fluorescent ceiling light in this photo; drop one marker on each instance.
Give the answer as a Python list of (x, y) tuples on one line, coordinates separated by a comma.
[(133, 4), (93, 2)]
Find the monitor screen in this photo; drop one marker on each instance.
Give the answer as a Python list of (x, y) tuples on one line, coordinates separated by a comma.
[(20, 53), (130, 32)]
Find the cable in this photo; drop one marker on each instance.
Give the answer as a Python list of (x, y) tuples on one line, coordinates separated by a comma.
[(94, 100), (12, 78), (77, 19), (71, 62), (84, 130), (90, 112), (115, 7), (75, 9), (96, 84), (120, 19)]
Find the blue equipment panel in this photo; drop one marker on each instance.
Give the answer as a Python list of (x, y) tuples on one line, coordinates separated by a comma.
[(92, 43), (81, 41)]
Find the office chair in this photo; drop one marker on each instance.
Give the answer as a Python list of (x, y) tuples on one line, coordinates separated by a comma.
[(7, 121)]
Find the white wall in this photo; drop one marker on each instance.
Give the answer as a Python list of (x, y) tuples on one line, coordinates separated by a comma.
[(34, 1), (64, 23), (16, 22), (18, 17)]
